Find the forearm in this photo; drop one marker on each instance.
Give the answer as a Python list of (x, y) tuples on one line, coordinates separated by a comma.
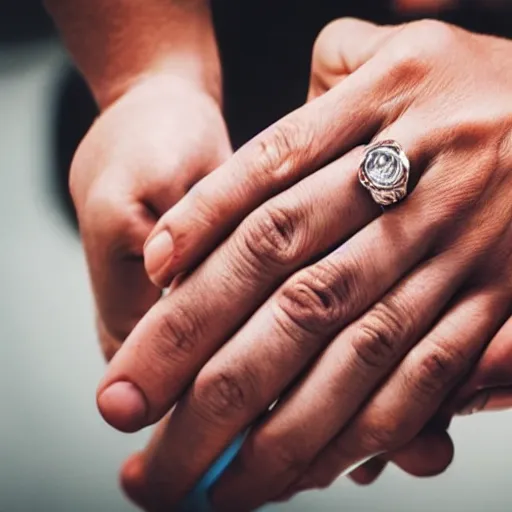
[(117, 43)]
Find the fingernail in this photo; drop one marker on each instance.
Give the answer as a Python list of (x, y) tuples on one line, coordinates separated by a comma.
[(158, 252), (123, 406), (476, 404)]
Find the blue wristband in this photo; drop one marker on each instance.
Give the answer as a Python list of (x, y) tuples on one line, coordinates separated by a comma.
[(197, 500)]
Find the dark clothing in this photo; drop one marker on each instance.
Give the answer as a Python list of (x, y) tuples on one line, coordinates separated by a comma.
[(266, 50)]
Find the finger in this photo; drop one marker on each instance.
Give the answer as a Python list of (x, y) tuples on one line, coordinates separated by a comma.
[(133, 480), (176, 338), (488, 386), (430, 453), (113, 231), (495, 367), (367, 474), (339, 382), (417, 388), (341, 48), (295, 146), (123, 178), (135, 476), (487, 400)]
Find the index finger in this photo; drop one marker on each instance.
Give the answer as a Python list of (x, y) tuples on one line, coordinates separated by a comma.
[(283, 154)]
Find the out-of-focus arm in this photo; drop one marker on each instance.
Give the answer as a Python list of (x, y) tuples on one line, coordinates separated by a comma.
[(425, 6), (117, 43)]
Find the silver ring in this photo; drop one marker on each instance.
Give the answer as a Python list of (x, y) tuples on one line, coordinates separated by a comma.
[(384, 171)]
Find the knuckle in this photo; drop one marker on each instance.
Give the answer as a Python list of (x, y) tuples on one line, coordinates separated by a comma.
[(271, 237), (428, 40), (178, 333), (435, 34), (379, 335), (329, 37), (316, 299), (222, 394), (408, 65), (281, 148), (120, 223), (436, 370), (203, 204)]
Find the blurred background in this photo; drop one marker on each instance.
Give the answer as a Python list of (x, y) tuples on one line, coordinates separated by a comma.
[(56, 454)]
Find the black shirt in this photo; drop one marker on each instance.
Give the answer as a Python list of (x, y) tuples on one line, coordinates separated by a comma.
[(266, 50)]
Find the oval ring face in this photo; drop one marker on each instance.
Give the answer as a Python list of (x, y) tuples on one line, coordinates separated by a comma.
[(384, 167), (384, 171)]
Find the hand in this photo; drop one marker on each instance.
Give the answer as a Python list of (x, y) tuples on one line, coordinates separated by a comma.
[(365, 342), (488, 389), (142, 154)]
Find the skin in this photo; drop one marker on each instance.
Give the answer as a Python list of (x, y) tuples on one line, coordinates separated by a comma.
[(154, 70), (365, 313)]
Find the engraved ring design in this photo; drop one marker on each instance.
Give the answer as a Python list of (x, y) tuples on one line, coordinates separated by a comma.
[(384, 171)]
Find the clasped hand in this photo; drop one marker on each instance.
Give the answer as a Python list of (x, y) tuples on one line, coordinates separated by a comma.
[(296, 288)]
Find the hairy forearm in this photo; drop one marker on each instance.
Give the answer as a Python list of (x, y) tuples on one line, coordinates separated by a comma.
[(117, 43)]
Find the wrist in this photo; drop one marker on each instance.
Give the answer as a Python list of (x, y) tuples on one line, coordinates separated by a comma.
[(117, 44)]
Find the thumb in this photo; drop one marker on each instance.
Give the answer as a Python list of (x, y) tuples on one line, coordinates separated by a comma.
[(342, 47)]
